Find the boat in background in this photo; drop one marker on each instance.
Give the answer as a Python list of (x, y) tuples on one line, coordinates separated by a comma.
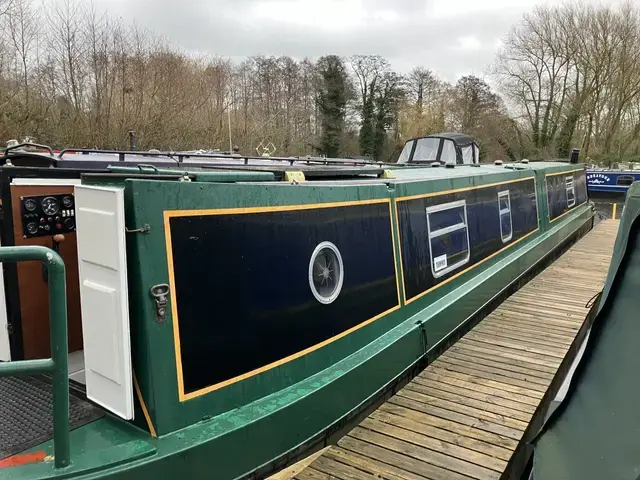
[(611, 180)]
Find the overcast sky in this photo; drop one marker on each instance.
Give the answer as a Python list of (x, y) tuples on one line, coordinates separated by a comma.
[(451, 37)]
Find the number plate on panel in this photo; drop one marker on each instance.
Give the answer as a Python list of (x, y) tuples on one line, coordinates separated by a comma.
[(440, 263)]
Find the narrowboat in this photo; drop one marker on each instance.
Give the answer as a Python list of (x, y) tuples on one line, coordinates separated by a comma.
[(220, 317), (606, 180), (591, 429)]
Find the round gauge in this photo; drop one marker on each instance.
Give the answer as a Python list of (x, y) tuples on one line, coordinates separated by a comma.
[(32, 228), (69, 223), (30, 204), (50, 206), (67, 201)]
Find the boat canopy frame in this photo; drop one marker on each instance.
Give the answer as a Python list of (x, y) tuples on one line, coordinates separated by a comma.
[(445, 147)]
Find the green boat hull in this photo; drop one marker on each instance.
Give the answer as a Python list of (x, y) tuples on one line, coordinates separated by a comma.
[(255, 424)]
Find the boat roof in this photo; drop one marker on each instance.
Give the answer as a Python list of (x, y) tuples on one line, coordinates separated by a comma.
[(93, 159), (344, 170)]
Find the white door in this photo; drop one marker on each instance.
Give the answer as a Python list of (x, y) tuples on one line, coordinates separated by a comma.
[(104, 297)]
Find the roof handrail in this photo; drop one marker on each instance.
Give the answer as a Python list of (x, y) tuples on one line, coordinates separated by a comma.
[(28, 144), (183, 155)]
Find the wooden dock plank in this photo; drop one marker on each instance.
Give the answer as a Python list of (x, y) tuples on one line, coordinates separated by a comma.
[(463, 416), (489, 438), (393, 440), (453, 416), (372, 465), (406, 462)]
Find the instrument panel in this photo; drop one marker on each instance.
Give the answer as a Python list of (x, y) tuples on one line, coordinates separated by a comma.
[(47, 215)]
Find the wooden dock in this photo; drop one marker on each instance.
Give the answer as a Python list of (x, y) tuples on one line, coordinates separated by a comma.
[(464, 416)]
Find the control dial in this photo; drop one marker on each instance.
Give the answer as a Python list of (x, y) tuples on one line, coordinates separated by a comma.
[(50, 206), (30, 205)]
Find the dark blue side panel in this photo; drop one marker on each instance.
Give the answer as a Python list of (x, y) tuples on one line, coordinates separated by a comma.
[(437, 241), (611, 181), (563, 195), (243, 291)]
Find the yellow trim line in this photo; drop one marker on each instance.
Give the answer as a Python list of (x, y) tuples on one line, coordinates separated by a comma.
[(143, 405), (565, 213), (436, 194), (168, 214), (279, 208), (397, 252), (464, 189), (565, 172), (444, 282)]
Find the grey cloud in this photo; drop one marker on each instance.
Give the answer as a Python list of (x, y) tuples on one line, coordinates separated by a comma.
[(225, 28)]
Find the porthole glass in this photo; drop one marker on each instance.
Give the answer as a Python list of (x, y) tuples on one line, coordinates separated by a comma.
[(326, 272)]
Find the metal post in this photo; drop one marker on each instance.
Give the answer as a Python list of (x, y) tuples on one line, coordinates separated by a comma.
[(57, 365), (229, 121), (60, 355), (132, 140)]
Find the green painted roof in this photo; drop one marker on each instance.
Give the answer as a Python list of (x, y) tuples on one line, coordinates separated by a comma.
[(468, 170), (476, 174)]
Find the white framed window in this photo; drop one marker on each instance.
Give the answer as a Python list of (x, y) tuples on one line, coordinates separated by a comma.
[(406, 152), (448, 237), (504, 209), (571, 191)]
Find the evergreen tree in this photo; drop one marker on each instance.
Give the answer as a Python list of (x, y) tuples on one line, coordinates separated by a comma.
[(367, 130), (388, 97), (332, 102)]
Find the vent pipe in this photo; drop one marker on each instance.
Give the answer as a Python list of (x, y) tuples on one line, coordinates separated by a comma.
[(575, 155)]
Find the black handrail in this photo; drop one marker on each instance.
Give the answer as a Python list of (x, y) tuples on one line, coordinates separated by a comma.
[(181, 156), (29, 144)]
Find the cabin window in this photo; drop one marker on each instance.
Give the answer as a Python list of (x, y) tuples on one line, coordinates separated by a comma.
[(326, 272), (426, 150), (625, 180), (449, 153), (467, 154), (448, 237), (571, 191), (504, 208), (406, 152)]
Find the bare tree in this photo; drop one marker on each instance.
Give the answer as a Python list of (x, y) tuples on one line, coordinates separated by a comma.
[(421, 84), (5, 5), (533, 69), (23, 32), (367, 69)]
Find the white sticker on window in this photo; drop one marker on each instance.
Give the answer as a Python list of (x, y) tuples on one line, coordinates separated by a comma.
[(440, 263)]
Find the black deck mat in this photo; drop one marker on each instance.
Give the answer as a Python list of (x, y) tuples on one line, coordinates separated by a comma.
[(26, 414)]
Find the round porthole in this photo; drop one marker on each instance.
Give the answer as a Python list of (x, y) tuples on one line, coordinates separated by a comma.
[(326, 272)]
